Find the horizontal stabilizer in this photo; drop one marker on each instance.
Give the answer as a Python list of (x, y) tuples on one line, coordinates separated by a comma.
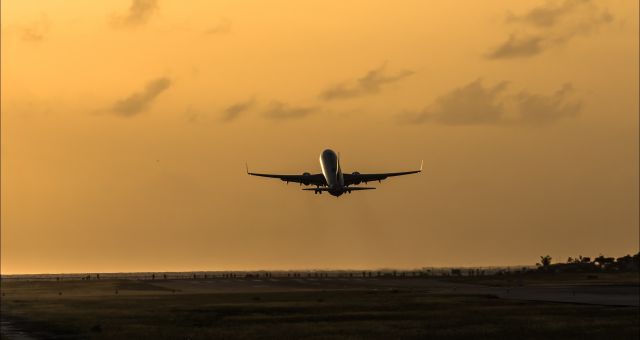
[(346, 189)]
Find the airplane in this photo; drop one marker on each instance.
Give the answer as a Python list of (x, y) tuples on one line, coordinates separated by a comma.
[(332, 179)]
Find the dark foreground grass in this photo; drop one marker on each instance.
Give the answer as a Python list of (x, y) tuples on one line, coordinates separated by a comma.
[(539, 278), (158, 314)]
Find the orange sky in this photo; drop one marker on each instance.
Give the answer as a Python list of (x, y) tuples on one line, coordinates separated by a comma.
[(126, 126)]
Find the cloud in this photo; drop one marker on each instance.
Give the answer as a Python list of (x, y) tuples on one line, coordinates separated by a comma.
[(477, 104), (234, 111), (140, 101), (192, 115), (471, 104), (548, 14), (222, 27), (516, 47), (370, 83), (139, 13), (550, 25), (37, 31), (281, 111), (540, 110)]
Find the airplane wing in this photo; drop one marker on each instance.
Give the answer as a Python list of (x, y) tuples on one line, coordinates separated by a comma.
[(306, 178), (357, 178)]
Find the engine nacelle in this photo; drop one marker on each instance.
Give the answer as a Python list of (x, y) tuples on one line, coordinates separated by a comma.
[(355, 174), (306, 178)]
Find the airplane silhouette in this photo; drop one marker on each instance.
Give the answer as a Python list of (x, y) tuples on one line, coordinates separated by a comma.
[(332, 179)]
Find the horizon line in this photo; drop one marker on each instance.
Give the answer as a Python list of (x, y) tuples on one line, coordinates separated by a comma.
[(271, 270)]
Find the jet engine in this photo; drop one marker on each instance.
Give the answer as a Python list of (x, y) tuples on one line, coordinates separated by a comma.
[(356, 174), (307, 178)]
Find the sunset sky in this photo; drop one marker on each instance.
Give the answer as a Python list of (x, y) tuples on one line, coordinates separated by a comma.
[(126, 126)]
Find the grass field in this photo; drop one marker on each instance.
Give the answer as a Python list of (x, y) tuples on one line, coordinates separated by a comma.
[(535, 278), (201, 309)]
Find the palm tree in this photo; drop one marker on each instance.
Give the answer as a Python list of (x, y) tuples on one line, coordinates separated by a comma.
[(545, 261)]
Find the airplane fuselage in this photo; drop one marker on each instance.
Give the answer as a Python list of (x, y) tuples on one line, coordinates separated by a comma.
[(330, 165)]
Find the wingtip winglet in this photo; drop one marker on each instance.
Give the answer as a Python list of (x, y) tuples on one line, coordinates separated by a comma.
[(246, 167), (421, 163)]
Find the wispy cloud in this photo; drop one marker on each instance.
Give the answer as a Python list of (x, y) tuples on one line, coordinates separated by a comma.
[(234, 111), (138, 14), (140, 101), (550, 25), (282, 111), (518, 46), (192, 115), (548, 14), (536, 109), (370, 83), (223, 27), (477, 104), (36, 31)]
